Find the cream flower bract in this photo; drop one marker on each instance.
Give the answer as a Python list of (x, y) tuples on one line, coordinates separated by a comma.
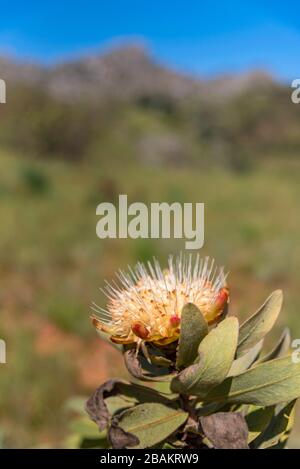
[(146, 302)]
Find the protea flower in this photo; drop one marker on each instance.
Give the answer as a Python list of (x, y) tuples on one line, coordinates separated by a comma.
[(146, 305), (211, 387)]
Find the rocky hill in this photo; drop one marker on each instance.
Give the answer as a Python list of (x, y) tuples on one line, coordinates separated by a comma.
[(128, 72)]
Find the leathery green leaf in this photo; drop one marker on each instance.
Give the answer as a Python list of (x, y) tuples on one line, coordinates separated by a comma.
[(151, 423), (280, 349), (258, 325), (245, 361), (193, 328), (258, 418), (216, 353), (263, 385), (277, 432)]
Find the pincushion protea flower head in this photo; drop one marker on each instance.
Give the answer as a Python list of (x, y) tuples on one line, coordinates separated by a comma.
[(146, 303)]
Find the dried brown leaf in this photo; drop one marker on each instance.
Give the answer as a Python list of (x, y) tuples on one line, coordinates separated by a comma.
[(226, 430)]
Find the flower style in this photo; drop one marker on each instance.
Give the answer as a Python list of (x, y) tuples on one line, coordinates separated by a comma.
[(146, 304)]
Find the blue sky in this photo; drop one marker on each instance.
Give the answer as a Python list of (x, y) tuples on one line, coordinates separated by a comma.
[(202, 37)]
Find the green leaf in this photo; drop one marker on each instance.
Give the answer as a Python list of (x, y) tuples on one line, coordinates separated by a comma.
[(280, 349), (142, 394), (258, 418), (216, 353), (279, 428), (242, 363), (263, 385), (151, 423), (258, 325), (101, 404), (193, 328), (119, 403)]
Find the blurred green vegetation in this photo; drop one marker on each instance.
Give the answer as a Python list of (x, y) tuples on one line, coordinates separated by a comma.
[(232, 131), (59, 160)]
